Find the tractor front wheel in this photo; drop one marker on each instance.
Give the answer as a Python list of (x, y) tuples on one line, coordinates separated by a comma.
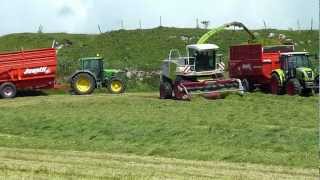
[(8, 90), (116, 86), (316, 84), (276, 87), (83, 84), (293, 87)]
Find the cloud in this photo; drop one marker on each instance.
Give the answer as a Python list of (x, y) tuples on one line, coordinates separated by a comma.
[(83, 16), (65, 11)]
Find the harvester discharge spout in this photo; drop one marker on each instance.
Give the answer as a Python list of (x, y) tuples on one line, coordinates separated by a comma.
[(214, 31)]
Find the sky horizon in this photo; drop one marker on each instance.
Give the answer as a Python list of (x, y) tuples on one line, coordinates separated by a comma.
[(83, 16)]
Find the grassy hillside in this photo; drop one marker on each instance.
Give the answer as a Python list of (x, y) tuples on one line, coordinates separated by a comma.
[(140, 49), (257, 128)]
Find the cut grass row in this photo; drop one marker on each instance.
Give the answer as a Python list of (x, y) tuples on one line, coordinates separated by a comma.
[(50, 164)]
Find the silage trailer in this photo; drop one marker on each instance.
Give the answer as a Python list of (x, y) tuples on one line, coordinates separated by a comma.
[(27, 70)]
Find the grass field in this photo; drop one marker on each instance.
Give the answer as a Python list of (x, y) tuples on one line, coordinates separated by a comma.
[(51, 164), (260, 130)]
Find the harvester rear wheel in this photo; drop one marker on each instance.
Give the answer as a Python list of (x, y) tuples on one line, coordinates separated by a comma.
[(165, 90), (8, 90), (276, 87), (293, 87), (83, 84), (116, 86)]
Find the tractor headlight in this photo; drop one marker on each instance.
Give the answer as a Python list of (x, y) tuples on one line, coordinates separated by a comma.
[(309, 74)]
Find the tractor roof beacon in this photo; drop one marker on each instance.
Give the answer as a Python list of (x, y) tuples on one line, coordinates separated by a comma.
[(92, 75)]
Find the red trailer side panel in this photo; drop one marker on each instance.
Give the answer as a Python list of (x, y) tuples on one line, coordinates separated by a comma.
[(270, 62), (250, 62), (29, 69), (245, 60)]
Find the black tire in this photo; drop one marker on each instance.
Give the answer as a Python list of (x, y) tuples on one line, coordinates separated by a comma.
[(116, 86), (293, 87), (165, 90), (306, 92), (247, 85), (275, 85), (8, 90), (90, 83), (316, 84)]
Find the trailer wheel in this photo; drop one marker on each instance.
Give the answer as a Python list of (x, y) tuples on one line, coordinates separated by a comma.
[(116, 86), (276, 87), (83, 84), (293, 87), (247, 85), (8, 90)]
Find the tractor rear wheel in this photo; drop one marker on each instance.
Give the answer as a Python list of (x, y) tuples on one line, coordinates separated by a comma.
[(8, 90), (306, 92), (83, 84), (293, 87), (275, 86), (247, 85), (116, 86), (165, 90), (316, 84)]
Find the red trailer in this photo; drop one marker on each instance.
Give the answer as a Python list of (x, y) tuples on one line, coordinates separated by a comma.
[(254, 64), (34, 69)]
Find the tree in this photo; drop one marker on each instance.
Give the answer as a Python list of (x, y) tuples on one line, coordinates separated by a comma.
[(205, 23)]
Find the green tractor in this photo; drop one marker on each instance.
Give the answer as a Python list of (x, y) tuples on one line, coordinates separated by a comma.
[(92, 75), (295, 75)]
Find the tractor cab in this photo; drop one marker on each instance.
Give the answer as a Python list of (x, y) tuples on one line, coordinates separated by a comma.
[(94, 65), (297, 65)]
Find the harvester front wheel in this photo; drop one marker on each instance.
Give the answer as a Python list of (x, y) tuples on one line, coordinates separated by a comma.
[(165, 90), (116, 86), (8, 90), (247, 85), (276, 87), (83, 84), (293, 87)]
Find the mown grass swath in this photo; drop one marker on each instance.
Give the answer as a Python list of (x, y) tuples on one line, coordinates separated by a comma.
[(257, 128)]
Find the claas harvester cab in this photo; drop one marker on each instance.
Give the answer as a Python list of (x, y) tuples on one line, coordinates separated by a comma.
[(295, 75), (92, 75), (200, 72)]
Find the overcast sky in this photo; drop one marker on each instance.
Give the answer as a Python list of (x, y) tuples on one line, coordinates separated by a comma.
[(83, 16)]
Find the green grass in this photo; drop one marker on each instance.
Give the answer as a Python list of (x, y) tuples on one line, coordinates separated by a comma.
[(256, 128), (141, 49), (53, 164)]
